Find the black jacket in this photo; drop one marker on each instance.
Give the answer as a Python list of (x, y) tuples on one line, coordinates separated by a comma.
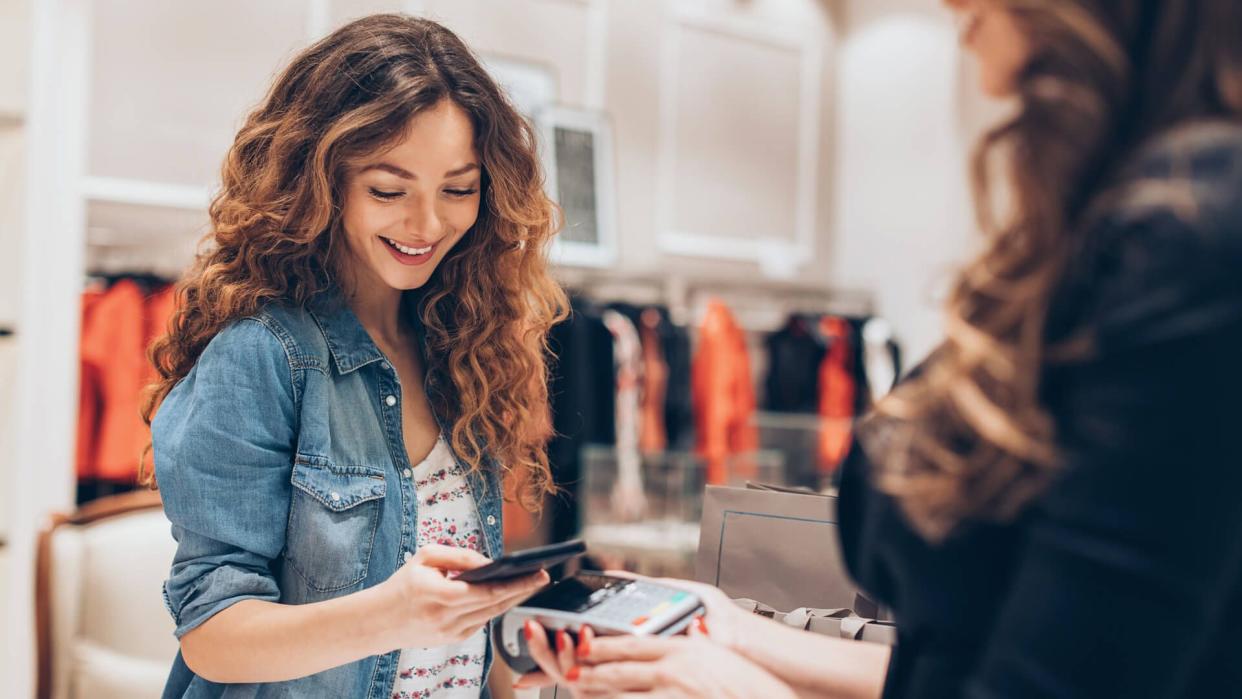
[(1124, 578)]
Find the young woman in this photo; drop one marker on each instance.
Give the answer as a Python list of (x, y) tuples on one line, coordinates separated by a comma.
[(355, 375), (1053, 504)]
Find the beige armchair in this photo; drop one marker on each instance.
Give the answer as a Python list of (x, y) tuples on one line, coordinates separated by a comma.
[(102, 630)]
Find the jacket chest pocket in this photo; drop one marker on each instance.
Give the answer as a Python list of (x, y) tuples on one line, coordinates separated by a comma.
[(333, 517)]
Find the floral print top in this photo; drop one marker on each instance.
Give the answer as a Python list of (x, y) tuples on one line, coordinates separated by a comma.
[(446, 516)]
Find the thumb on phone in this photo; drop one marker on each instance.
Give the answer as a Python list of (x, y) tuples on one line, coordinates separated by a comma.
[(449, 558)]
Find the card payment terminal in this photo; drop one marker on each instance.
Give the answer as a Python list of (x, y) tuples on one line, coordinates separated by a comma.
[(611, 606)]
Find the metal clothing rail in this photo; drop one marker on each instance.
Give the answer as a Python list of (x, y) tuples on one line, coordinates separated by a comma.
[(760, 304)]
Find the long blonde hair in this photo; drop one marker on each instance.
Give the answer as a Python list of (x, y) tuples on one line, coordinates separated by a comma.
[(969, 436)]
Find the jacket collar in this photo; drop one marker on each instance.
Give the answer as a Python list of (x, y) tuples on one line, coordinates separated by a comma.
[(348, 342)]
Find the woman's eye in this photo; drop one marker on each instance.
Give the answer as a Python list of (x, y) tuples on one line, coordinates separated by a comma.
[(385, 196), (461, 193)]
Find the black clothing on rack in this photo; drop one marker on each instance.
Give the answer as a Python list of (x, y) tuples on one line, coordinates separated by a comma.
[(582, 393), (794, 355)]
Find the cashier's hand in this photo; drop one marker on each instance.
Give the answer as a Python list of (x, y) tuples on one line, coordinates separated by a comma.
[(684, 667)]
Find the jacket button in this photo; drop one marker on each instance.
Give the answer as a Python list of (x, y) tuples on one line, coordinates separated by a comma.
[(391, 401), (491, 520), (409, 473), (408, 556), (378, 490), (336, 497), (385, 365)]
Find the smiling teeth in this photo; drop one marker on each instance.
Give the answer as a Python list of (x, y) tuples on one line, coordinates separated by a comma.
[(408, 251)]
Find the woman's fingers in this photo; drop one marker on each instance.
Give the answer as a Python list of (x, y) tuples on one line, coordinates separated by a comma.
[(540, 652), (624, 648), (697, 627), (625, 574), (478, 617), (480, 596), (532, 680), (449, 557), (565, 652), (620, 677), (586, 636)]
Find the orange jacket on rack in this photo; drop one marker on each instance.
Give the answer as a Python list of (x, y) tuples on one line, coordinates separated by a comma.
[(118, 326), (90, 392), (723, 393), (836, 394), (112, 346)]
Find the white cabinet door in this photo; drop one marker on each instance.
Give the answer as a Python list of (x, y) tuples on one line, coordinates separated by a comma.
[(741, 99), (170, 82)]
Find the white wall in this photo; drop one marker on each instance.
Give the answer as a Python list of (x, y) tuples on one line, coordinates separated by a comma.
[(13, 56), (14, 46), (901, 206), (13, 49)]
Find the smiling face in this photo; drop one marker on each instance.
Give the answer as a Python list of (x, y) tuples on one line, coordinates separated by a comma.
[(993, 35), (406, 207)]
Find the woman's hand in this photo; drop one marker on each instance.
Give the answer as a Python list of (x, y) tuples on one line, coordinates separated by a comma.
[(727, 622), (433, 609), (554, 665), (689, 667)]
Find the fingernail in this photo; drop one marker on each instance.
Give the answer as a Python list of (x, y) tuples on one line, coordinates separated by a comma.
[(562, 641), (702, 625), (526, 631), (573, 673), (584, 643)]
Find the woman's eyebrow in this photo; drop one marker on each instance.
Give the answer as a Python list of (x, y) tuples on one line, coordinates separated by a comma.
[(406, 174), (390, 168)]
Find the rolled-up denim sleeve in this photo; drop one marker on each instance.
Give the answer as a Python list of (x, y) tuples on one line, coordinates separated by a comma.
[(223, 441)]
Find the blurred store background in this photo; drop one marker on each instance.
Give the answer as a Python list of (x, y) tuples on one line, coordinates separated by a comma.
[(791, 170)]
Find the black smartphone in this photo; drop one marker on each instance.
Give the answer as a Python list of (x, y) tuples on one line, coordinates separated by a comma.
[(522, 563)]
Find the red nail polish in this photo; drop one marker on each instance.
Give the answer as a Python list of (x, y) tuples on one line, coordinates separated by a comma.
[(562, 641), (573, 673), (526, 631), (584, 643), (702, 625)]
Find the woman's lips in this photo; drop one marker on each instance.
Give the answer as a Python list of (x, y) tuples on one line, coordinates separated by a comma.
[(421, 257)]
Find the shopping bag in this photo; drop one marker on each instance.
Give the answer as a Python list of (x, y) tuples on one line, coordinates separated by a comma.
[(777, 546)]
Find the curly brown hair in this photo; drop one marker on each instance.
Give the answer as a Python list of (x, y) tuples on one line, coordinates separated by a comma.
[(969, 437), (276, 228)]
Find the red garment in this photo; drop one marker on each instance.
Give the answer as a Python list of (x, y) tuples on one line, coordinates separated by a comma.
[(723, 393), (118, 326), (112, 345), (836, 394), (159, 311), (90, 403), (160, 307)]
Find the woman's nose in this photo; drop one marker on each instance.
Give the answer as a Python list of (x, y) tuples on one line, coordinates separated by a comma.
[(422, 222)]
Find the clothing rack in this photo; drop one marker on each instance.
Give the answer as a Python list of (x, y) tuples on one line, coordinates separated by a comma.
[(145, 278), (759, 304), (110, 262)]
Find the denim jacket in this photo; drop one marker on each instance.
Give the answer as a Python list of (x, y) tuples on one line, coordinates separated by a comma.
[(280, 460)]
